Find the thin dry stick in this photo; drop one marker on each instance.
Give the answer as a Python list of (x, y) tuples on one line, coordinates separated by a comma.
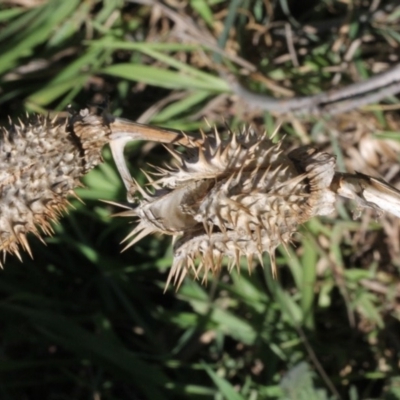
[(381, 288), (125, 131), (350, 97), (317, 364), (290, 45)]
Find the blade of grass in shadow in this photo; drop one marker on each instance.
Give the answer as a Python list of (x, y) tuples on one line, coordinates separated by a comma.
[(218, 82), (225, 388), (179, 107), (225, 320), (161, 77), (115, 44), (8, 15), (70, 78), (111, 354), (52, 91), (228, 25), (309, 262)]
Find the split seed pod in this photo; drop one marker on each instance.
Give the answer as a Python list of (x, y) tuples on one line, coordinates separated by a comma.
[(41, 163), (230, 197)]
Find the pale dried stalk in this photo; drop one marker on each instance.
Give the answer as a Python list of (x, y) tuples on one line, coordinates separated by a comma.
[(124, 131), (367, 191), (333, 102)]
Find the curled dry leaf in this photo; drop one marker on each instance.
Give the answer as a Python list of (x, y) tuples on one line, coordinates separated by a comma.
[(41, 163)]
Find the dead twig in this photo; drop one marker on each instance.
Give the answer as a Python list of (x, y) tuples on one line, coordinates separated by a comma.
[(356, 95)]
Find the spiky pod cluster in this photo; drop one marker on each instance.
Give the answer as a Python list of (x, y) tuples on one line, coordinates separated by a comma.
[(231, 197), (41, 163)]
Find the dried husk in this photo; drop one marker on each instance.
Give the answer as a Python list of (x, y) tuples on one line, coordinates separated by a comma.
[(41, 163), (231, 197)]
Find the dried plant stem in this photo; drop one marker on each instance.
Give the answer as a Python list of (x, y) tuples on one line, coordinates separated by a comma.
[(125, 131), (333, 102), (367, 191)]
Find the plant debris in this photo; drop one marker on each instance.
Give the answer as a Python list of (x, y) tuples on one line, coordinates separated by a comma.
[(42, 162), (240, 195)]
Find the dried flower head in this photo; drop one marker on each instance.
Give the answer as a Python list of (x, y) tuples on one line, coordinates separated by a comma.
[(230, 197), (41, 163)]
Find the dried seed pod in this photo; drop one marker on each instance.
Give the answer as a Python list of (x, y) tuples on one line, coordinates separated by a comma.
[(41, 163), (233, 197)]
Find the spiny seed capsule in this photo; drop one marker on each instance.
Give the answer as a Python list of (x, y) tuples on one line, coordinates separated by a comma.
[(231, 197), (41, 163)]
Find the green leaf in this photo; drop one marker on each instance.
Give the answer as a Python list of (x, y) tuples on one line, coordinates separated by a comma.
[(225, 388), (40, 29), (160, 77)]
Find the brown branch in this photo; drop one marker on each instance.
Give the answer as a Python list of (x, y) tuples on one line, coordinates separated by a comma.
[(125, 131), (334, 102)]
